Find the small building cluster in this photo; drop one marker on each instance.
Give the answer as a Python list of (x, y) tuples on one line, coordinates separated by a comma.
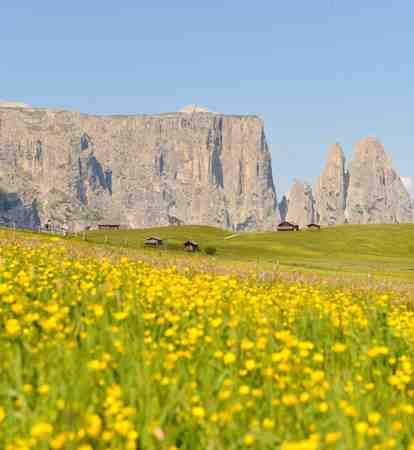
[(288, 226), (109, 226), (155, 241)]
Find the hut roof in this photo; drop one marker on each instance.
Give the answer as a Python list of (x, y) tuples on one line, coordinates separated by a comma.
[(109, 225), (286, 224), (190, 242)]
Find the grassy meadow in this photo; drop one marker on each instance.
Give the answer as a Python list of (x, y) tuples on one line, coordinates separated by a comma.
[(110, 346), (377, 250)]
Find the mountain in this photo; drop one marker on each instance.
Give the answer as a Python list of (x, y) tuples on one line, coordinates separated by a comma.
[(300, 204), (376, 194), (6, 104), (192, 167), (331, 189), (186, 167), (368, 191)]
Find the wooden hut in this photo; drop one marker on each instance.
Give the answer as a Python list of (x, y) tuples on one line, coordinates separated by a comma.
[(314, 226), (287, 226), (191, 246), (153, 241), (109, 226)]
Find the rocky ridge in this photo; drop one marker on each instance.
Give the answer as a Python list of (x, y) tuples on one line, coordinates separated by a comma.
[(369, 191), (190, 167), (376, 194)]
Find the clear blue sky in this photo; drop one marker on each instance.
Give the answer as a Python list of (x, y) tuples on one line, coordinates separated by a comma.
[(316, 71)]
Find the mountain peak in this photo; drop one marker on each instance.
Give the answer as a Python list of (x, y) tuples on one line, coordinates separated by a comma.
[(8, 104), (189, 109)]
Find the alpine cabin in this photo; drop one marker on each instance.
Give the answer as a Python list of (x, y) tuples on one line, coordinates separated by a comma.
[(191, 246), (287, 226), (109, 226), (153, 241)]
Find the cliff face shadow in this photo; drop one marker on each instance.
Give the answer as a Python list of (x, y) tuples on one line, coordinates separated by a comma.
[(92, 176), (215, 145), (14, 212), (97, 175)]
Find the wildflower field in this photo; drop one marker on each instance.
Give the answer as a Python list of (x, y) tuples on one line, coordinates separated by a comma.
[(99, 353)]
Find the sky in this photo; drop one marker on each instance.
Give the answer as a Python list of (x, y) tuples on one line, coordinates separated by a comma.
[(317, 72)]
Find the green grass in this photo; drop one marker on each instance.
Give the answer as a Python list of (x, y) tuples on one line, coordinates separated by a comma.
[(381, 250), (108, 355)]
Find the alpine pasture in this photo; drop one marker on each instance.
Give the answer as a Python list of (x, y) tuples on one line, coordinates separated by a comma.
[(106, 345)]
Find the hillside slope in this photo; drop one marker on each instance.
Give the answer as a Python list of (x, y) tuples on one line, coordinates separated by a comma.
[(377, 249)]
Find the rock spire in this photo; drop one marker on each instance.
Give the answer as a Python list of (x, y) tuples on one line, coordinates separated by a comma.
[(376, 193), (369, 191), (330, 189), (300, 204)]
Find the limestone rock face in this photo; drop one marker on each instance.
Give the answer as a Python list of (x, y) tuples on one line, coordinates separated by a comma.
[(331, 189), (370, 191), (193, 167), (376, 193), (300, 205)]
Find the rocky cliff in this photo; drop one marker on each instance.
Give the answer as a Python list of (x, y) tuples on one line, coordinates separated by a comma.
[(369, 191), (331, 188), (191, 167), (300, 204), (376, 193)]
